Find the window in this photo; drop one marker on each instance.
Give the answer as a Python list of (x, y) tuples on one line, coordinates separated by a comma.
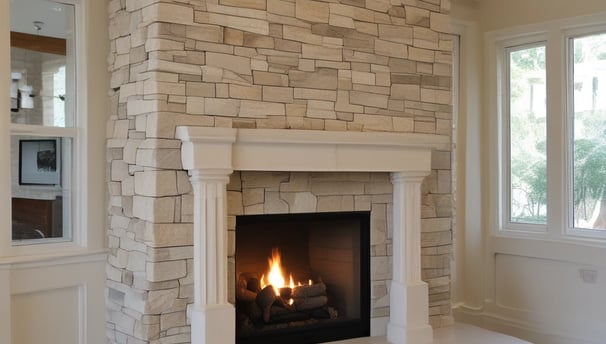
[(44, 126), (552, 130), (527, 135), (588, 134)]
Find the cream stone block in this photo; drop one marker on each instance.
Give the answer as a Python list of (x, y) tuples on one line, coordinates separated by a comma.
[(298, 182), (237, 64), (168, 234), (258, 109), (436, 96), (343, 104), (268, 180), (273, 204), (207, 33), (363, 78), (323, 78), (277, 94), (271, 79), (322, 188), (245, 24), (300, 202), (222, 107), (322, 114), (170, 253), (155, 44), (335, 203), (161, 210), (374, 122), (301, 34), (296, 110), (195, 105), (354, 12), (379, 5), (169, 13), (310, 93), (436, 225), (408, 92), (417, 16), (254, 209), (341, 21), (122, 45), (165, 271), (159, 87), (234, 203), (172, 320), (317, 52), (245, 92), (238, 11), (439, 22), (156, 183), (368, 99), (392, 49), (313, 11), (380, 268), (256, 4), (362, 203), (173, 67), (136, 261), (423, 55), (281, 7), (253, 196), (159, 158), (394, 33), (403, 124)]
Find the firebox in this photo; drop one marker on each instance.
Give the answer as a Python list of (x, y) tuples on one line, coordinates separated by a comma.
[(302, 278)]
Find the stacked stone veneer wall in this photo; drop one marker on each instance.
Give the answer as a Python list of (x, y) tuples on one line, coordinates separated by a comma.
[(357, 65)]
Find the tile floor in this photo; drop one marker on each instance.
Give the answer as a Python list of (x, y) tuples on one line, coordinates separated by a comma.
[(456, 334)]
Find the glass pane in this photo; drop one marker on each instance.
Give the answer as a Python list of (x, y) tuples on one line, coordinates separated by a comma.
[(527, 116), (589, 135), (42, 63), (41, 169)]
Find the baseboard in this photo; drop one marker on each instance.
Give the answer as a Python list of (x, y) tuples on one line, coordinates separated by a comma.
[(512, 327)]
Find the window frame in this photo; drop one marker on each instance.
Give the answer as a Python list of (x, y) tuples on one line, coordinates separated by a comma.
[(557, 37), (568, 36), (505, 127), (77, 235)]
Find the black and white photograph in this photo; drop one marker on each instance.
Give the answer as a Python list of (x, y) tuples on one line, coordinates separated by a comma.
[(39, 162)]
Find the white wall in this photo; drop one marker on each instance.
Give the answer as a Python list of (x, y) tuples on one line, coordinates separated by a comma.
[(35, 278), (531, 288)]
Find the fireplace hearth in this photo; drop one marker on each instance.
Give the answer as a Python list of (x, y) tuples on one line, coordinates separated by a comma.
[(326, 257)]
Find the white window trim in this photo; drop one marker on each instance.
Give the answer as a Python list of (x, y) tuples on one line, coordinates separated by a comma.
[(78, 239), (557, 35)]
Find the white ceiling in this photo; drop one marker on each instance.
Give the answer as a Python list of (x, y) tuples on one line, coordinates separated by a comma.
[(25, 12)]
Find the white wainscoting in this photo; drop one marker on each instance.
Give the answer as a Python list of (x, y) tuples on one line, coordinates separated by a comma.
[(53, 300)]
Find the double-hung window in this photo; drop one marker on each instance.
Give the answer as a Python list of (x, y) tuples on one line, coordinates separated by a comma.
[(552, 130), (44, 126)]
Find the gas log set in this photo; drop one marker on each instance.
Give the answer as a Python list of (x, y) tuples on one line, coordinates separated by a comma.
[(270, 301)]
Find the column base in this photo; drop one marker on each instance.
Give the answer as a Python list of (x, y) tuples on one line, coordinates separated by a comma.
[(213, 324), (409, 314)]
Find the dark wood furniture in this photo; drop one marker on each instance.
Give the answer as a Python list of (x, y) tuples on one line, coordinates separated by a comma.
[(30, 215)]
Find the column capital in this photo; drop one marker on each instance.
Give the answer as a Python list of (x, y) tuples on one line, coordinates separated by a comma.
[(197, 176), (408, 176)]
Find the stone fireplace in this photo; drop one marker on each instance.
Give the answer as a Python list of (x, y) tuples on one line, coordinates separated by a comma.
[(327, 104), (319, 169)]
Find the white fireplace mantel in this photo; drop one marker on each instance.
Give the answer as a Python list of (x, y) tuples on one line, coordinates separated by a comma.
[(212, 154)]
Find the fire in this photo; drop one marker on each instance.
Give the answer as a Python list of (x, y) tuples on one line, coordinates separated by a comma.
[(275, 274)]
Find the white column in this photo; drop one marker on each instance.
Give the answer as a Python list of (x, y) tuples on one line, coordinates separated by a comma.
[(409, 299), (212, 317)]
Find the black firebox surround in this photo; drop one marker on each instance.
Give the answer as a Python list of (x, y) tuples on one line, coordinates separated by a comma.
[(323, 332)]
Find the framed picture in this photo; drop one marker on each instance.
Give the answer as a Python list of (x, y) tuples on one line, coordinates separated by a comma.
[(40, 162)]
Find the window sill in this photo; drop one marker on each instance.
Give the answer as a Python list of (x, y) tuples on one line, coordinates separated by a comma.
[(57, 258)]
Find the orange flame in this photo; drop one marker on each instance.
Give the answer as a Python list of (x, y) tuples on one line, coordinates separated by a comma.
[(275, 274)]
